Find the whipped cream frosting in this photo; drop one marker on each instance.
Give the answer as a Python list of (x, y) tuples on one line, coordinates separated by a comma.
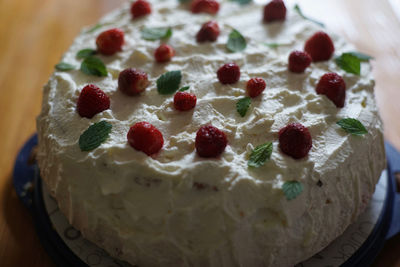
[(178, 209)]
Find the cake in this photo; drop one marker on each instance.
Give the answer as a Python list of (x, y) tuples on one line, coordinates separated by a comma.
[(249, 197)]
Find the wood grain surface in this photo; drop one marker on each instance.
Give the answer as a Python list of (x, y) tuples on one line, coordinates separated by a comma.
[(35, 33)]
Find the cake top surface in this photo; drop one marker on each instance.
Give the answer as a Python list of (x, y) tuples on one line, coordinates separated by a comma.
[(289, 97)]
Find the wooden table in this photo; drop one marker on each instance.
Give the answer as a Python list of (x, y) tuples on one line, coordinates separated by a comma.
[(35, 33)]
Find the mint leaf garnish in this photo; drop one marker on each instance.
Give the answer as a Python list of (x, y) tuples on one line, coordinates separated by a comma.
[(260, 155), (352, 126), (236, 41), (62, 66), (97, 26), (94, 136), (298, 10), (153, 34), (242, 2), (349, 63), (169, 82), (94, 28), (292, 189), (183, 1), (185, 88), (361, 56), (273, 45), (93, 66), (243, 105), (84, 53)]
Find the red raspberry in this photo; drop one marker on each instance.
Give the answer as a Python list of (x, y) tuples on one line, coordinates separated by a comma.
[(144, 137), (299, 61), (295, 140), (228, 73), (333, 86), (274, 11), (110, 42), (184, 101), (132, 81), (320, 47), (210, 141), (205, 6), (92, 100), (255, 86), (208, 32), (140, 8), (164, 53)]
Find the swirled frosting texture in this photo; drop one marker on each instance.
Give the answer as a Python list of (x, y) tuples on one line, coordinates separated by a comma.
[(177, 209)]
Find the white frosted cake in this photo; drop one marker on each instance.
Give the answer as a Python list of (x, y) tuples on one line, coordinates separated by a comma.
[(174, 205)]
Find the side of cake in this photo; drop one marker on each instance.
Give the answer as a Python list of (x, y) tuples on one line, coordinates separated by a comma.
[(176, 208)]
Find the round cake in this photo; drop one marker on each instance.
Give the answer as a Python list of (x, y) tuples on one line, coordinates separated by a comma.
[(208, 133)]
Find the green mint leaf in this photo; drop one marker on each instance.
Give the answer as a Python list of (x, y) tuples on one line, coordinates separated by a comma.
[(94, 136), (242, 2), (273, 45), (352, 126), (62, 66), (153, 34), (169, 82), (236, 41), (276, 45), (84, 53), (349, 63), (243, 105), (93, 66), (362, 57), (97, 26), (298, 10), (260, 155), (185, 88), (183, 1), (94, 28), (292, 189)]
